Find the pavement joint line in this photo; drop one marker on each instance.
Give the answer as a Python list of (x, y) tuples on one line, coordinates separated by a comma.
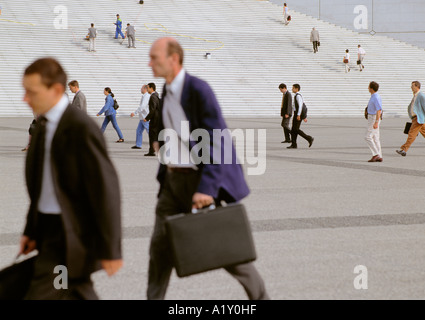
[(287, 224)]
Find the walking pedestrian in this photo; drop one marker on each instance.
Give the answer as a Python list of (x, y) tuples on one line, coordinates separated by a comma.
[(416, 112), (79, 100), (374, 111), (118, 28), (315, 39), (74, 216), (142, 111), (153, 118), (110, 114), (130, 33), (360, 57), (184, 185), (92, 36), (300, 114), (346, 61), (286, 112), (286, 15)]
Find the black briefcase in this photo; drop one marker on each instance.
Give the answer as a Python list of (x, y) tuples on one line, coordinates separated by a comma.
[(210, 239), (407, 127), (15, 279)]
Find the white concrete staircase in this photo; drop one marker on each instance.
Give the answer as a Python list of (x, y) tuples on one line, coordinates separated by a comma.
[(252, 52)]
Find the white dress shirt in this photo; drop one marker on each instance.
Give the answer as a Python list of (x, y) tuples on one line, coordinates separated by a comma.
[(174, 118), (143, 109), (48, 202)]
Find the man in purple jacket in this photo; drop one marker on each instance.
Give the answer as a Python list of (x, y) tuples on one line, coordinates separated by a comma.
[(188, 103)]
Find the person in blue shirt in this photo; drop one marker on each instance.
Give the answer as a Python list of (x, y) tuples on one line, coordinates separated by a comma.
[(374, 111), (110, 114), (118, 28)]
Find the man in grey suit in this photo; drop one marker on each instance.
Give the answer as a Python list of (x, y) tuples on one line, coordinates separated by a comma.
[(79, 100), (315, 38), (286, 112), (130, 33)]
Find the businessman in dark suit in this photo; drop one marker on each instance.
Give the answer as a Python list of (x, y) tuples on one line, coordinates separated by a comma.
[(152, 117), (74, 217), (185, 185), (286, 112)]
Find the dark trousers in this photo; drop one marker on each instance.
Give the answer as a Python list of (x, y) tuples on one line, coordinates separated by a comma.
[(176, 197), (153, 133), (315, 46), (52, 249), (286, 129), (296, 131)]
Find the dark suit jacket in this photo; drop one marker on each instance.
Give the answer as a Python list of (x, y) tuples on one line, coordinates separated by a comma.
[(221, 181), (287, 104), (153, 110), (88, 192)]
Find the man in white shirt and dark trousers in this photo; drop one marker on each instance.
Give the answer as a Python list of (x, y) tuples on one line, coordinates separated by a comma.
[(142, 111), (300, 114)]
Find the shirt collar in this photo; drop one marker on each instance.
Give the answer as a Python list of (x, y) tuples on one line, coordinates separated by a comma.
[(176, 86), (55, 113)]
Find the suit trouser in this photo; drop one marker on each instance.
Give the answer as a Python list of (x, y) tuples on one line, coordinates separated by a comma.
[(52, 248), (153, 132), (296, 131), (130, 40), (92, 46), (413, 133), (176, 197), (315, 46), (286, 129), (372, 136)]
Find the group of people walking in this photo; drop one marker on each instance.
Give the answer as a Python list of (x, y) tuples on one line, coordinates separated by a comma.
[(296, 108), (74, 215), (373, 113), (130, 34), (360, 57)]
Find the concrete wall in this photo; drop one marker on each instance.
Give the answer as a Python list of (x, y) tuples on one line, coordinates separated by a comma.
[(400, 19)]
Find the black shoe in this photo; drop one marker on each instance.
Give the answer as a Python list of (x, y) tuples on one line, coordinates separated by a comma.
[(401, 152), (291, 147), (135, 147), (286, 141), (149, 154), (310, 142)]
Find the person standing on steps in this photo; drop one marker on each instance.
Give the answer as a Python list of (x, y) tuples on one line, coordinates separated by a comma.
[(118, 29)]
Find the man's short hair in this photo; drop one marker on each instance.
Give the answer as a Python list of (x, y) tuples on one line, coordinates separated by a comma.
[(74, 83), (297, 86), (92, 24), (174, 47), (417, 84), (128, 24), (374, 86), (282, 86), (152, 86), (49, 69)]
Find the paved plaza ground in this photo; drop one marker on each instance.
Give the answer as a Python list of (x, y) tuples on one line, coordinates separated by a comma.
[(316, 213)]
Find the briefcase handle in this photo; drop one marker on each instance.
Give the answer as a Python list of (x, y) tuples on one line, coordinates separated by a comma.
[(204, 209)]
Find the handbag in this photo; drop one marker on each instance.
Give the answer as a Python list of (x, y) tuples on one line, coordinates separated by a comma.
[(210, 239), (289, 18), (359, 62), (345, 60), (318, 43), (407, 127), (15, 279)]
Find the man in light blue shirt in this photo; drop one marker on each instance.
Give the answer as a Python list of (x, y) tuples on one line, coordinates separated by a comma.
[(416, 112), (374, 110)]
